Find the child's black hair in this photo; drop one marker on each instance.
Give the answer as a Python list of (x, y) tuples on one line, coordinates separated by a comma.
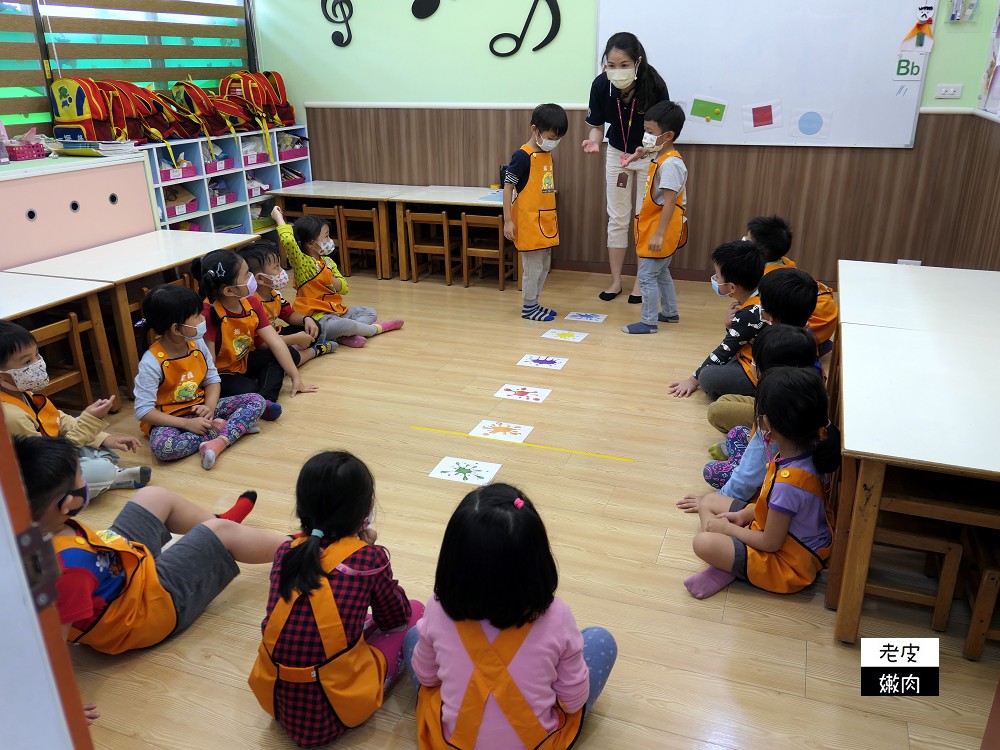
[(740, 263), (307, 229), (215, 271), (168, 304), (495, 562), (781, 345), (668, 115), (788, 295), (552, 117), (335, 493), (48, 469), (795, 403), (13, 338), (772, 234), (258, 254), (649, 85)]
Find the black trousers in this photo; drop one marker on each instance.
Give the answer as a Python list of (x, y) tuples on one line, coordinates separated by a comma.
[(264, 375)]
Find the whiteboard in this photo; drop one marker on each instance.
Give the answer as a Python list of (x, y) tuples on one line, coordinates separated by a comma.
[(783, 72)]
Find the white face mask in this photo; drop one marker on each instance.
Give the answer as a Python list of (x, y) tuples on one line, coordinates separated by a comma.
[(199, 331), (277, 282), (621, 78), (649, 143), (325, 248), (548, 144), (32, 377)]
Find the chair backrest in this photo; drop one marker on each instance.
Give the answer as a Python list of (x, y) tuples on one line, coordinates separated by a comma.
[(61, 378), (432, 221)]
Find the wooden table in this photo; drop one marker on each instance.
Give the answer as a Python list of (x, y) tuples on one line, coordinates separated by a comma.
[(443, 195), (118, 263), (22, 295), (378, 193), (914, 386)]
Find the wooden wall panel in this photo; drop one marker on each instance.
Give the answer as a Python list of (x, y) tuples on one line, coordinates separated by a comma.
[(935, 202)]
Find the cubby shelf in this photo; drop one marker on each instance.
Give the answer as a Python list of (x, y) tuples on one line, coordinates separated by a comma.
[(234, 215)]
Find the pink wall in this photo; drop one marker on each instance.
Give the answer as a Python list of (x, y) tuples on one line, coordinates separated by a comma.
[(56, 228)]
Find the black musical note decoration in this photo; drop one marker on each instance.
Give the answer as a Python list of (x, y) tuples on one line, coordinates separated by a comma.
[(422, 9), (339, 12), (518, 39)]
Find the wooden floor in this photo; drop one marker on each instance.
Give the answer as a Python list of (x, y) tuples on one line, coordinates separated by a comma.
[(744, 669)]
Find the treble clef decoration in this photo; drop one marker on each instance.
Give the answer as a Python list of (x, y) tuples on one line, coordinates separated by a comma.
[(518, 39), (339, 12)]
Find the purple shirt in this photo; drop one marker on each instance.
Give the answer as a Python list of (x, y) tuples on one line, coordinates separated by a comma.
[(808, 511)]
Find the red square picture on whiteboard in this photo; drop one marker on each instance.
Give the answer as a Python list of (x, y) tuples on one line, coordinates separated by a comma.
[(763, 116)]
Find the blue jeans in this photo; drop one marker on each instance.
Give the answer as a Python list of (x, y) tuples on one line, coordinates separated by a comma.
[(599, 652), (657, 287)]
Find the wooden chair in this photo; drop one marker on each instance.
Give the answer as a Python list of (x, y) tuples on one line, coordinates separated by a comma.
[(63, 376), (982, 573), (359, 230), (332, 214), (942, 544), (487, 246), (429, 234)]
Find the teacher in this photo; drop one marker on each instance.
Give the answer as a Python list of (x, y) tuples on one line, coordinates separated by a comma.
[(619, 97)]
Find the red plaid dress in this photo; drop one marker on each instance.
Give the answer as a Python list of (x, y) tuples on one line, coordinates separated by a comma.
[(301, 708)]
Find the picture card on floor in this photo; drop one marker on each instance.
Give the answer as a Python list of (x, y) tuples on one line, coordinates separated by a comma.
[(587, 317), (543, 360), (465, 470), (523, 393), (491, 428), (555, 333)]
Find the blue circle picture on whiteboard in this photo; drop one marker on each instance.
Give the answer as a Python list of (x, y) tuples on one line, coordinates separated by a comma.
[(811, 123)]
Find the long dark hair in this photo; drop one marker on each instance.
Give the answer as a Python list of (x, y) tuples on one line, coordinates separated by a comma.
[(795, 403), (215, 271), (307, 229), (335, 492), (495, 562), (649, 85)]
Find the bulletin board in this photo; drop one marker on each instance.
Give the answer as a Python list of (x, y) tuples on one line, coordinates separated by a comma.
[(785, 72)]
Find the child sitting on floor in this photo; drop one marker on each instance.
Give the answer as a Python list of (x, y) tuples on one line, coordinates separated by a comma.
[(177, 387), (22, 373), (298, 331), (320, 285), (497, 657), (322, 584), (781, 541)]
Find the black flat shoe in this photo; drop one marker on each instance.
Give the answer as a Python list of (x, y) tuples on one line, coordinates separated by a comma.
[(608, 296), (635, 299)]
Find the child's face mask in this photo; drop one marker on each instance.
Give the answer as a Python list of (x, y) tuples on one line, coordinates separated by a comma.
[(326, 247), (32, 377)]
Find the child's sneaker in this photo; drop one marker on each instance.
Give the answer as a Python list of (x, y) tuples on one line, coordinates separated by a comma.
[(639, 327)]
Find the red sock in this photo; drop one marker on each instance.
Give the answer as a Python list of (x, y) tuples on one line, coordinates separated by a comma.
[(242, 507)]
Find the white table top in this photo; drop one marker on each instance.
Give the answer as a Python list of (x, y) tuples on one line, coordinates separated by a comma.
[(21, 294), (920, 398), (920, 298), (342, 190), (135, 257), (452, 195)]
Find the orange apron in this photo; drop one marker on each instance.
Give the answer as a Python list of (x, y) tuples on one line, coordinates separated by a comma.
[(536, 226), (43, 412), (648, 218), (490, 677), (316, 296), (794, 566), (745, 355), (352, 675), (235, 338), (180, 381), (272, 307), (143, 614)]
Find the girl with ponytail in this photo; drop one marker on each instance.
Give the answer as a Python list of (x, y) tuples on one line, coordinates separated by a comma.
[(322, 584)]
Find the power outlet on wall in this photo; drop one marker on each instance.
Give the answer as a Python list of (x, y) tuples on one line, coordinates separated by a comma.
[(948, 91)]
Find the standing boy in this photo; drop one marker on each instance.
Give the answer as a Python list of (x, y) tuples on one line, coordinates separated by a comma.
[(660, 225), (529, 206)]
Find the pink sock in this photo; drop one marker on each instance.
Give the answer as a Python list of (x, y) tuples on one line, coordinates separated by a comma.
[(389, 325), (708, 582), (354, 342), (210, 451), (219, 424)]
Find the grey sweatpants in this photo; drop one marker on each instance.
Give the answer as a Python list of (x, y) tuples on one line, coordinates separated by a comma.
[(535, 264), (356, 321)]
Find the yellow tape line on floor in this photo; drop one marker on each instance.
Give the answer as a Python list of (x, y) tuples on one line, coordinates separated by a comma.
[(529, 445)]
